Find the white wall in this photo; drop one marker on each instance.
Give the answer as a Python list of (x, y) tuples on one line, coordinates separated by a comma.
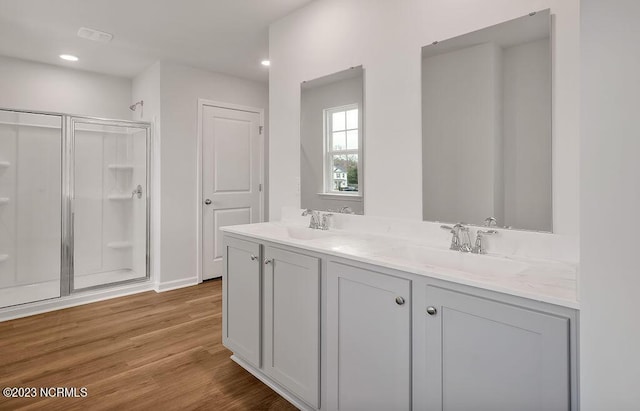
[(610, 203), (181, 87), (386, 38), (314, 101), (34, 86)]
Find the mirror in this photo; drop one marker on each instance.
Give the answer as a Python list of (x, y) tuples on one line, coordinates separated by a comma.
[(331, 140), (486, 126)]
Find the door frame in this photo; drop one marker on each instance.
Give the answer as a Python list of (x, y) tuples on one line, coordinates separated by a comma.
[(199, 168)]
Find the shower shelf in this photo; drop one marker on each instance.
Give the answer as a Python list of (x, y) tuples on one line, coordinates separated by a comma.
[(4, 257), (118, 197), (119, 244), (128, 132), (124, 167), (4, 164), (4, 200)]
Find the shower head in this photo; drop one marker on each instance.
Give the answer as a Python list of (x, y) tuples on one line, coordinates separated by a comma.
[(135, 105)]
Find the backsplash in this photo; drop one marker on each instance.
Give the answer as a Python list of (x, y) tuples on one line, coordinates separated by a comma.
[(529, 244)]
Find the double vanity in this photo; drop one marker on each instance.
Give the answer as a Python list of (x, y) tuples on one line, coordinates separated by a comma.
[(383, 314), (379, 314)]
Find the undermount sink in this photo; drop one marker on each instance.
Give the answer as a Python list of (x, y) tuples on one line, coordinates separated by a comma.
[(305, 233), (455, 260)]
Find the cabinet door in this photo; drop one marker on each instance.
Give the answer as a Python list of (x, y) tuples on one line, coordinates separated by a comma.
[(368, 340), (241, 299), (292, 322), (486, 355)]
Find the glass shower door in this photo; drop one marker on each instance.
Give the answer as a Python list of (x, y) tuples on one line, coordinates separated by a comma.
[(30, 207), (110, 202)]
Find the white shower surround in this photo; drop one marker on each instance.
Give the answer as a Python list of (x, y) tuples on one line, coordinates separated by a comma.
[(100, 161)]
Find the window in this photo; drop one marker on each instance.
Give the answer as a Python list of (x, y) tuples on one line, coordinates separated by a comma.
[(342, 143)]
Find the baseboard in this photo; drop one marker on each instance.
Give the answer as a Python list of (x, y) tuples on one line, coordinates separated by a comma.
[(277, 388), (39, 307), (175, 284)]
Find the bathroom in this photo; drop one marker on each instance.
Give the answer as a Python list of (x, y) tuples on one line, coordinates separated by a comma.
[(593, 163)]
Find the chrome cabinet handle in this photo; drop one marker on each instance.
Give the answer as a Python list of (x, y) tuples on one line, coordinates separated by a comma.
[(207, 201), (399, 300), (267, 261), (431, 310), (253, 257)]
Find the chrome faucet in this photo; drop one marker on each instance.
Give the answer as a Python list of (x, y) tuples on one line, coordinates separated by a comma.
[(461, 239), (465, 239), (457, 243), (455, 239), (478, 248), (316, 221), (324, 224)]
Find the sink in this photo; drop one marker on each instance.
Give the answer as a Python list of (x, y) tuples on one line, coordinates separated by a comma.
[(305, 233), (454, 260)]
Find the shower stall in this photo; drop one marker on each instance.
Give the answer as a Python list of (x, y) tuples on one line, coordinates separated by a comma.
[(74, 204)]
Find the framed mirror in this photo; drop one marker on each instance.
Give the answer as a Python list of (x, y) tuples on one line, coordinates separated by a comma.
[(331, 141), (486, 126)]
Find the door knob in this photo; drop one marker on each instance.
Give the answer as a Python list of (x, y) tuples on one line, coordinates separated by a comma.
[(399, 300), (268, 261), (207, 201), (431, 310)]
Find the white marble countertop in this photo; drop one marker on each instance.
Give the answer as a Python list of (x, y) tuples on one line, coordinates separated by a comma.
[(548, 281)]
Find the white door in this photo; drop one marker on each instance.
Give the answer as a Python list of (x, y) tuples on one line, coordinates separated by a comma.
[(231, 163)]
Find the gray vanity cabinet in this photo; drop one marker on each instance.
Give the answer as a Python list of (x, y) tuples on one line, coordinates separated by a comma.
[(241, 300), (271, 316), (486, 355), (292, 322), (368, 340), (335, 334)]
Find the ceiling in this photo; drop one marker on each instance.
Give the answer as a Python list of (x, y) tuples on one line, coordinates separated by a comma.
[(227, 36)]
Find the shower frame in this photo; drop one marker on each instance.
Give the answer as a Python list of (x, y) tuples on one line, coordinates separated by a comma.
[(68, 195), (68, 122)]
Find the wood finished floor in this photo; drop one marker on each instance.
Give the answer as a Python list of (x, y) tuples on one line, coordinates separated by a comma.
[(147, 351)]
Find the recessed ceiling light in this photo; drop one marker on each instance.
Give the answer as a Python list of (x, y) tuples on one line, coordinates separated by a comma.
[(68, 57), (265, 63)]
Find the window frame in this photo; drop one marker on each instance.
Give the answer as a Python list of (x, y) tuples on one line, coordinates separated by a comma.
[(329, 152)]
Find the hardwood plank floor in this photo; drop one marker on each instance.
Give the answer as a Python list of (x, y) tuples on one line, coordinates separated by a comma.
[(145, 351)]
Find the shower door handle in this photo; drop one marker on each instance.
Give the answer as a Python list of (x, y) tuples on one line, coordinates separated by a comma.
[(137, 192)]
